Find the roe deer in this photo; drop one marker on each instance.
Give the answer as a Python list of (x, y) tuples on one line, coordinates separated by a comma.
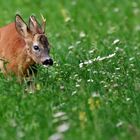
[(22, 46)]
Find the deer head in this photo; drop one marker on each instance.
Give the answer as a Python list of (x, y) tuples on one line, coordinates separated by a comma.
[(37, 45)]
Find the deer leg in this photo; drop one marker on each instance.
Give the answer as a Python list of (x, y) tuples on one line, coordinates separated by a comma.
[(30, 79), (3, 63)]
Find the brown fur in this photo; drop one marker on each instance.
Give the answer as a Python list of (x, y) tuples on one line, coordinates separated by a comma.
[(22, 46), (12, 50)]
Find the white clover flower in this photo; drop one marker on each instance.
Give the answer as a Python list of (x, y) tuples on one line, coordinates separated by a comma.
[(95, 94), (71, 47), (79, 80), (63, 128), (117, 68), (90, 61), (73, 93), (94, 72), (76, 75), (62, 87), (91, 51), (105, 57), (90, 80), (78, 42), (117, 48), (86, 62), (81, 65), (132, 65), (111, 55), (82, 34), (132, 58), (59, 114), (116, 41), (127, 99), (120, 123), (56, 136), (77, 85), (62, 118), (105, 86)]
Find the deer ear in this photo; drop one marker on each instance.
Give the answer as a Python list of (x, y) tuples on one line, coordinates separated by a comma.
[(34, 25), (21, 26)]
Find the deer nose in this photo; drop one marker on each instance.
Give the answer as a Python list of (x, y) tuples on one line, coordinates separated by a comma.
[(48, 62)]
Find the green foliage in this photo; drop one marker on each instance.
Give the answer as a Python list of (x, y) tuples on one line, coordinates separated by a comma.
[(93, 90)]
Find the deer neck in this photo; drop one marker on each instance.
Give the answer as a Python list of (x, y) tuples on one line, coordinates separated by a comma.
[(24, 62)]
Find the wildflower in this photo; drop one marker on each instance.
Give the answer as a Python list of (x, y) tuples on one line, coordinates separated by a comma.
[(56, 136), (127, 99), (78, 42), (120, 123), (90, 80), (102, 82), (111, 55), (95, 72), (81, 65), (79, 80), (116, 41), (132, 58), (73, 93), (63, 118), (105, 57), (88, 62), (117, 49), (70, 47), (77, 85), (76, 75), (91, 51), (82, 34), (62, 87), (59, 114), (117, 68), (63, 128), (95, 94)]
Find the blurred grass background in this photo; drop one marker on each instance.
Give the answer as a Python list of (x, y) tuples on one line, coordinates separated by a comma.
[(93, 90)]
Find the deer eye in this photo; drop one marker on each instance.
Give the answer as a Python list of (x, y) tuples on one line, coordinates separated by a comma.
[(36, 48)]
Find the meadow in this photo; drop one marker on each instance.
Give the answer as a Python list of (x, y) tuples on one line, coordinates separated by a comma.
[(92, 92)]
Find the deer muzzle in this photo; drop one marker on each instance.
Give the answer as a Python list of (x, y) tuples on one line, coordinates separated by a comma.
[(48, 62)]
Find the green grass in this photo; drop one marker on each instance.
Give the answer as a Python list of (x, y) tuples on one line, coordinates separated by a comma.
[(100, 100)]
